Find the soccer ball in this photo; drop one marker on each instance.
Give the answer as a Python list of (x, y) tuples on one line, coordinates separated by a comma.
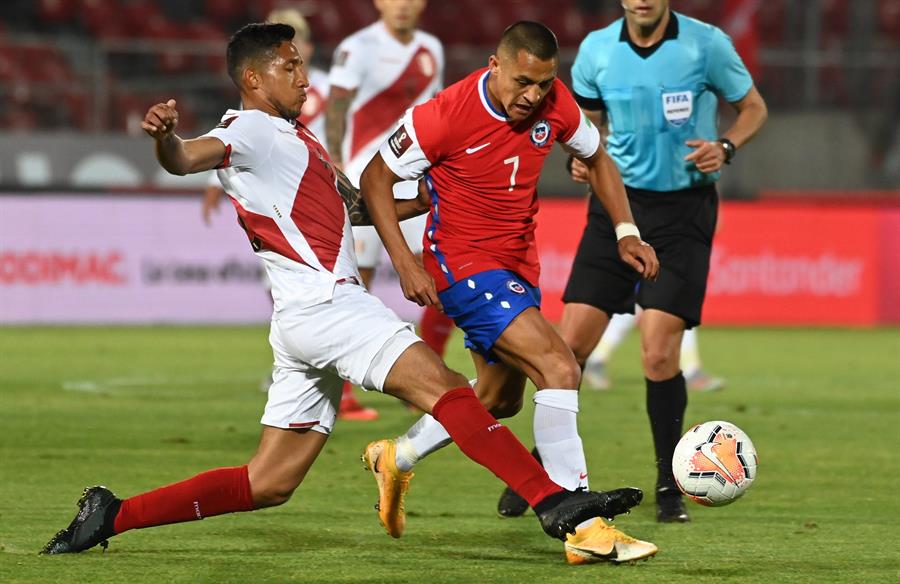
[(714, 463)]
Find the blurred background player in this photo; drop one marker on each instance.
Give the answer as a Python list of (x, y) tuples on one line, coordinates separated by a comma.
[(377, 74), (656, 77), (596, 368), (481, 264), (312, 115)]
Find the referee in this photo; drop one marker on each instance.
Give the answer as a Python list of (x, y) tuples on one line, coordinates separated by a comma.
[(653, 80)]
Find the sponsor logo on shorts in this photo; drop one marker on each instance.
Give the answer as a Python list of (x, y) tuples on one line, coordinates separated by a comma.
[(493, 427), (540, 133), (515, 287), (400, 141)]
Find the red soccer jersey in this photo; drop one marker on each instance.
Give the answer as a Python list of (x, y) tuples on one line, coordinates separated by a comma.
[(482, 172)]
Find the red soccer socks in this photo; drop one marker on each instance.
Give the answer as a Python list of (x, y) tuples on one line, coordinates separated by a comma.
[(214, 492)]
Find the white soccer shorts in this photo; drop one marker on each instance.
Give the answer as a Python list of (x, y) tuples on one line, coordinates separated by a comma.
[(353, 337)]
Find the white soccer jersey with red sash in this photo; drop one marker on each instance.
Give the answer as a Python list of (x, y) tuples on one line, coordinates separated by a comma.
[(313, 113), (389, 77), (282, 184), (482, 171)]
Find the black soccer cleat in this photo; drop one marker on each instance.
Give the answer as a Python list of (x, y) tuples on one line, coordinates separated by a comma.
[(97, 509), (575, 507), (670, 506), (511, 504)]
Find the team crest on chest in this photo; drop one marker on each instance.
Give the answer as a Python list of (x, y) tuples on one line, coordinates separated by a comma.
[(540, 133)]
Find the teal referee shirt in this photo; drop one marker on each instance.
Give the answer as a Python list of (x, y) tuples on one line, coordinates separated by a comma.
[(659, 97)]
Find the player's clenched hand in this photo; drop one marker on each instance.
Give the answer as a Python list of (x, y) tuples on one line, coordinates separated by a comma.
[(418, 286), (640, 255), (161, 120), (708, 156), (579, 171)]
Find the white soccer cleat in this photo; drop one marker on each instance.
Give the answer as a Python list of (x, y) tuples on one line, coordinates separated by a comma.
[(699, 380), (601, 542), (596, 377)]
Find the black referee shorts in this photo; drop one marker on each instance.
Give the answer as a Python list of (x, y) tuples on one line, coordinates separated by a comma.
[(680, 227)]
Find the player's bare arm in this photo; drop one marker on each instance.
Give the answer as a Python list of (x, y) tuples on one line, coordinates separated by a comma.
[(179, 156), (606, 182), (377, 184), (339, 99), (709, 156), (359, 213)]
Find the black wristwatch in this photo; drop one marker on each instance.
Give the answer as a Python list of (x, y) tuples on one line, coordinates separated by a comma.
[(728, 147)]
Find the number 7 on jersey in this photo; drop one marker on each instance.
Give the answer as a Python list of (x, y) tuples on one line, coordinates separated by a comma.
[(515, 168)]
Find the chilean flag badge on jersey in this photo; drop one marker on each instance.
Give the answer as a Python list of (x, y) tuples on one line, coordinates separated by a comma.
[(540, 133)]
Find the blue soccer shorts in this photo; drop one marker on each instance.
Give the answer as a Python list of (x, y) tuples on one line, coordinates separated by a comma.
[(484, 304)]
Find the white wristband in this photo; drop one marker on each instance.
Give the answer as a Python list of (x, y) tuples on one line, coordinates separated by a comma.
[(625, 229)]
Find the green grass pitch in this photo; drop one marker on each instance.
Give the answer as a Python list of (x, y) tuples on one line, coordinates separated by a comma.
[(134, 408)]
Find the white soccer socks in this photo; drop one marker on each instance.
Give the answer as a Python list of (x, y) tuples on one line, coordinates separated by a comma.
[(556, 437), (425, 436)]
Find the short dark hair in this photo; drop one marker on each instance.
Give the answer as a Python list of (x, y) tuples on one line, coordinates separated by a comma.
[(532, 37), (252, 43)]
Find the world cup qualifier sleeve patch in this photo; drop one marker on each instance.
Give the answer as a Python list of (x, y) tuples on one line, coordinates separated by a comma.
[(400, 141)]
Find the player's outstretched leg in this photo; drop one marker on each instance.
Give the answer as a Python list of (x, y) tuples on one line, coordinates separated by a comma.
[(420, 377), (278, 467), (101, 515)]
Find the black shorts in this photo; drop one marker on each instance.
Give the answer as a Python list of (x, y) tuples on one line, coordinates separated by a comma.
[(680, 227)]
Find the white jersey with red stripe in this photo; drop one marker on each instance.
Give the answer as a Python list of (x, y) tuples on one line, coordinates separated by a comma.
[(389, 77), (283, 186), (313, 113), (483, 174)]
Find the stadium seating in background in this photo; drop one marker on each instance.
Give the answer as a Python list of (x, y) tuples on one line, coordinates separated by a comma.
[(44, 87), (889, 20), (57, 11), (771, 23)]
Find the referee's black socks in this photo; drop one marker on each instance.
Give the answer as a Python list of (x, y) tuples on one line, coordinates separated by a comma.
[(666, 402)]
